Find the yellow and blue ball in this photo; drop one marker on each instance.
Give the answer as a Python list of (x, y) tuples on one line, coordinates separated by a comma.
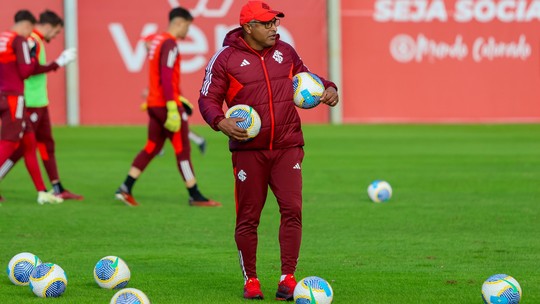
[(111, 272), (308, 89), (20, 267), (48, 280), (251, 122), (501, 288), (313, 290), (129, 296), (379, 191)]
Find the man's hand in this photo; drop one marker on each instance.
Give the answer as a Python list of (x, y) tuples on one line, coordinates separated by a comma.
[(66, 57), (228, 127), (330, 97), (173, 117)]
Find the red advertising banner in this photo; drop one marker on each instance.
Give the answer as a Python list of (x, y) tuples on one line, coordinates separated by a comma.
[(441, 61), (56, 80), (113, 69)]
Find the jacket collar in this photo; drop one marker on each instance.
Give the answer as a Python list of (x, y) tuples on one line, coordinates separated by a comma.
[(235, 39)]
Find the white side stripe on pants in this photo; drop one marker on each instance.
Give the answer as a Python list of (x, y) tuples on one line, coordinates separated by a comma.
[(5, 168), (186, 170), (242, 266)]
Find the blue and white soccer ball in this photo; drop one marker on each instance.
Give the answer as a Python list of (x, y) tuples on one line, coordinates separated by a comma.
[(308, 89), (379, 191), (112, 272), (313, 290), (252, 120), (501, 289), (48, 280), (20, 267), (130, 296)]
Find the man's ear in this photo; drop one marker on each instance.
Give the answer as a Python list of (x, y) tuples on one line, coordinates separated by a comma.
[(247, 28)]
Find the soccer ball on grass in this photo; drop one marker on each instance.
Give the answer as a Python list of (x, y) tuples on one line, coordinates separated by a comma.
[(379, 191), (313, 290), (501, 288), (111, 272), (48, 280), (20, 267), (129, 296)]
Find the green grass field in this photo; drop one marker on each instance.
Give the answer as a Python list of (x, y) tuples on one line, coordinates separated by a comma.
[(465, 206)]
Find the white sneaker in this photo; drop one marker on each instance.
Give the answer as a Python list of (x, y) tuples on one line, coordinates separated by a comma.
[(48, 198)]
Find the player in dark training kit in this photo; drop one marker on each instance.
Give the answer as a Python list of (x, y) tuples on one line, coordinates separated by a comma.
[(167, 117)]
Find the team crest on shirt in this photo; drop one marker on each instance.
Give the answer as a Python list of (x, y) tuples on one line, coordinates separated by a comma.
[(34, 117), (278, 56)]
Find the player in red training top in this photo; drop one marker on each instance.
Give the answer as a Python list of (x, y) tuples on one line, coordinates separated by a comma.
[(37, 101), (15, 66), (167, 117), (188, 106)]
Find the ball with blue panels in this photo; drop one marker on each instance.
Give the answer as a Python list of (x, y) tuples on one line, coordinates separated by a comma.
[(501, 289), (48, 280), (379, 191), (129, 296), (308, 89), (313, 290), (111, 272), (251, 122), (20, 267)]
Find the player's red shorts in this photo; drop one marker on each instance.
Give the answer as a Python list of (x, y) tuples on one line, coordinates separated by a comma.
[(14, 119), (40, 121), (157, 132)]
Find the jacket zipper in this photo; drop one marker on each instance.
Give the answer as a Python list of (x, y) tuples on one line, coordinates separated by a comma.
[(271, 101)]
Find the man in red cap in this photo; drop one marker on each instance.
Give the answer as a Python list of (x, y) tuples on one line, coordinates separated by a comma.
[(255, 68)]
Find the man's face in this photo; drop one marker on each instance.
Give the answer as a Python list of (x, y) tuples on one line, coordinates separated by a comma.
[(49, 31), (182, 27), (263, 34), (26, 28)]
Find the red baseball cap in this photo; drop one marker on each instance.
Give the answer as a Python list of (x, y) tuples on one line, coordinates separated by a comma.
[(258, 10)]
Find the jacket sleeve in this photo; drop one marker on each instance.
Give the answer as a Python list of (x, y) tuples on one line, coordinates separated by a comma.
[(168, 54), (40, 69), (214, 90), (25, 64), (299, 67)]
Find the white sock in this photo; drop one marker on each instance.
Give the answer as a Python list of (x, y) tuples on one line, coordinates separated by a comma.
[(197, 139)]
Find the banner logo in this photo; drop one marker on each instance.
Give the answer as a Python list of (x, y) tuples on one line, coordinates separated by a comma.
[(405, 48)]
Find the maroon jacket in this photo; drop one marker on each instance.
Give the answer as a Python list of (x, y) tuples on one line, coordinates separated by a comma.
[(16, 64), (238, 74)]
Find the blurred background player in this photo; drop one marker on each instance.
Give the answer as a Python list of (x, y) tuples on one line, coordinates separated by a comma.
[(37, 101), (273, 158), (188, 107), (167, 117), (15, 66)]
